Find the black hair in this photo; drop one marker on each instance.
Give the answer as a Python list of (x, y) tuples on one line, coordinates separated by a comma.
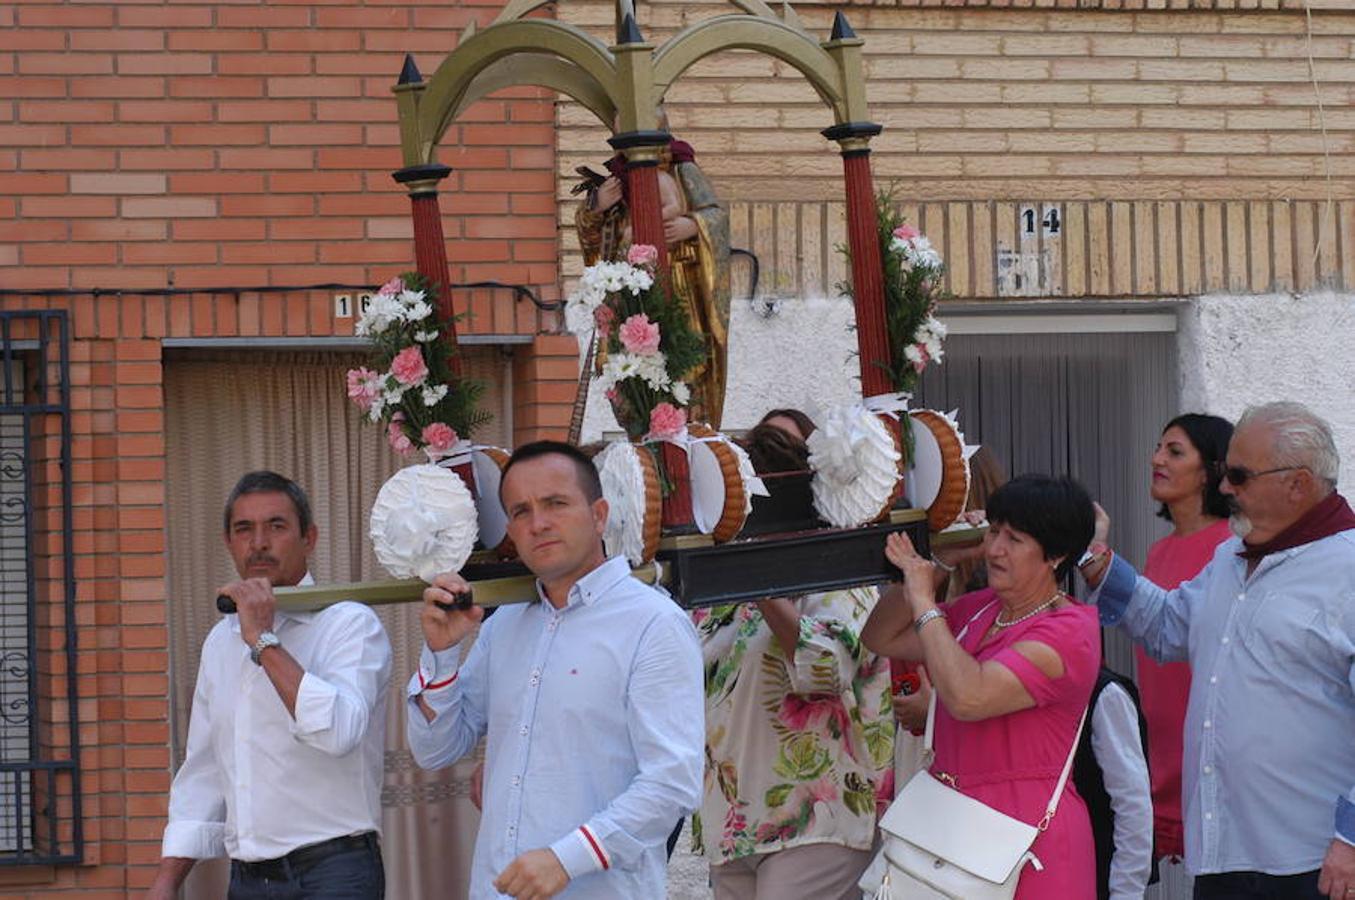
[(589, 482), (1209, 435), (265, 482), (1056, 512), (802, 421), (772, 449)]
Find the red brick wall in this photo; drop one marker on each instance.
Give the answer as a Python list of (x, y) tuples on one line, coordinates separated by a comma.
[(118, 493), (205, 144), (184, 144)]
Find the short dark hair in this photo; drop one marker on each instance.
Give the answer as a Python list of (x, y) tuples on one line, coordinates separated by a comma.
[(802, 421), (1209, 435), (589, 482), (772, 449), (1057, 512), (266, 482)]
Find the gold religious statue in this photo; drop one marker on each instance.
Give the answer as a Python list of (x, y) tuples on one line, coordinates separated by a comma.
[(696, 227)]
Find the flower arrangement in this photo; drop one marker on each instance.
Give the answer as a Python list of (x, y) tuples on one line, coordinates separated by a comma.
[(646, 344), (912, 277), (409, 386)]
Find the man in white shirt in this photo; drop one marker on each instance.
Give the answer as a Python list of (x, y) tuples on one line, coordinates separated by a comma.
[(286, 737), (591, 699)]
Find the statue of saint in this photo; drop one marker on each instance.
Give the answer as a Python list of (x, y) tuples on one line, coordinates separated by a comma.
[(696, 227)]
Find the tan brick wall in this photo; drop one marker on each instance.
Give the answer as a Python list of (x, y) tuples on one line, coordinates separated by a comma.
[(207, 144), (1106, 109)]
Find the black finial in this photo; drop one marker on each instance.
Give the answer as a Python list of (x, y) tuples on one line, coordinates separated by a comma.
[(409, 73), (629, 32), (841, 30)]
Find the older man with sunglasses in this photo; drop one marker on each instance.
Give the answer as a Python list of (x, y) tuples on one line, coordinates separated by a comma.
[(1269, 630)]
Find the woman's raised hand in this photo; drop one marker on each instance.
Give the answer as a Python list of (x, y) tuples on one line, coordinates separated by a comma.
[(917, 572)]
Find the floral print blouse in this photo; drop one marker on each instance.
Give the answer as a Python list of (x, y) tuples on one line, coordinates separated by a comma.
[(796, 749)]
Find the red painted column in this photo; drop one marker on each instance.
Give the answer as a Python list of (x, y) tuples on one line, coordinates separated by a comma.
[(642, 150), (430, 246), (646, 211), (868, 293)]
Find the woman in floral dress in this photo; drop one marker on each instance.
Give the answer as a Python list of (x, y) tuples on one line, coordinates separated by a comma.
[(799, 734)]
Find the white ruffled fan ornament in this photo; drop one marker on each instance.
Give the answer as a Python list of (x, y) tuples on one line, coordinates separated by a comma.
[(423, 522), (855, 459), (631, 488)]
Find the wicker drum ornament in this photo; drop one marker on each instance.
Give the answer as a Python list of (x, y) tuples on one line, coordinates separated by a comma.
[(630, 485), (721, 497), (938, 473)]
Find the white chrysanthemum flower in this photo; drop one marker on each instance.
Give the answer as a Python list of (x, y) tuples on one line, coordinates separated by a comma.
[(433, 394), (426, 337), (417, 312), (913, 354), (681, 393), (382, 310)]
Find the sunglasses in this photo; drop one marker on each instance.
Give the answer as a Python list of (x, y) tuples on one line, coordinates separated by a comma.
[(1240, 475)]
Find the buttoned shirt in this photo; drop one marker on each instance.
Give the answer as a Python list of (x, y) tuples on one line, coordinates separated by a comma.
[(595, 732), (256, 782), (1270, 725)]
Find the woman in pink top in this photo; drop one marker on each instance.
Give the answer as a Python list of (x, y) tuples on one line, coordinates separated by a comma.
[(1187, 468), (1013, 687)]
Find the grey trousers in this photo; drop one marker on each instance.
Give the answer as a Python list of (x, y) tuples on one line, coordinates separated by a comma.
[(817, 871)]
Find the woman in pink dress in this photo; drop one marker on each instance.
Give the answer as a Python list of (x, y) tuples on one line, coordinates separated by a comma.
[(1187, 468), (1013, 666)]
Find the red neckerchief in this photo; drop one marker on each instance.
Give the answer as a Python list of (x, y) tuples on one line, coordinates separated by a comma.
[(1328, 517)]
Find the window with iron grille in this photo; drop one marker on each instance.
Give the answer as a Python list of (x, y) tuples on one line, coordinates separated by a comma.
[(39, 729)]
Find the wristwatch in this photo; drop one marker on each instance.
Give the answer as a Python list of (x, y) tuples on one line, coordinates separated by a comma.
[(1096, 551), (266, 640)]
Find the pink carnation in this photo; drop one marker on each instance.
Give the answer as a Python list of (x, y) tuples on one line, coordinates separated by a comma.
[(399, 441), (364, 386), (604, 317), (666, 421), (906, 232), (408, 366), (394, 286), (639, 335), (438, 437), (642, 255)]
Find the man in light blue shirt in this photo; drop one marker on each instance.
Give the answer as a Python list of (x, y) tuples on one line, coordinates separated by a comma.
[(591, 699), (1269, 630)]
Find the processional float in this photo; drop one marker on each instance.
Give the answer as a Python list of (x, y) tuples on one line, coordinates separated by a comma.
[(689, 500)]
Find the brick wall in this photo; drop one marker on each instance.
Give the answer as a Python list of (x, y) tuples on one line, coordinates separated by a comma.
[(188, 145), (993, 107), (202, 144), (118, 543)]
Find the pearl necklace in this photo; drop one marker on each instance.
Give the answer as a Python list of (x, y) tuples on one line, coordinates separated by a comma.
[(998, 624)]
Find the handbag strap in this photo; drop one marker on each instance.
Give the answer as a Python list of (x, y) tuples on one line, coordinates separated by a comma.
[(929, 754)]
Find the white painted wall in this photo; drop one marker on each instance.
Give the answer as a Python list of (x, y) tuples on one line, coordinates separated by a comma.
[(1236, 351), (803, 354)]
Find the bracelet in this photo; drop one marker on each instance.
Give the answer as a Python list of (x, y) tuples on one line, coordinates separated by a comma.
[(926, 617), (943, 566)]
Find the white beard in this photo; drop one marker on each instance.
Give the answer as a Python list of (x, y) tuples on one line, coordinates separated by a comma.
[(1240, 525)]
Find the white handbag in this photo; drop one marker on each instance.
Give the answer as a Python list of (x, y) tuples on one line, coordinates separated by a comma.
[(940, 843)]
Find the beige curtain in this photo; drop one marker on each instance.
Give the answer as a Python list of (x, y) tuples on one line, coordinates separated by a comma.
[(227, 413)]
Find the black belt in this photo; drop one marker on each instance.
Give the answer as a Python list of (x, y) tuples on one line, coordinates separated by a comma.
[(303, 858)]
